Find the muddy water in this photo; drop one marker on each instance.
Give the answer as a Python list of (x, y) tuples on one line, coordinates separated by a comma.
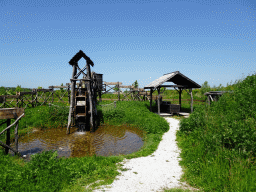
[(107, 140)]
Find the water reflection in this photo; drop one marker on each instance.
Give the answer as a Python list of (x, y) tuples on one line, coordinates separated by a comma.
[(107, 140)]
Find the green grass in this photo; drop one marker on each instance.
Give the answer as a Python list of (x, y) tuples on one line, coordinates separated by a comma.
[(217, 144), (45, 172)]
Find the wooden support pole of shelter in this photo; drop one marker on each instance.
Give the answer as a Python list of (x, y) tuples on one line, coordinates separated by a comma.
[(151, 99), (158, 100), (180, 91)]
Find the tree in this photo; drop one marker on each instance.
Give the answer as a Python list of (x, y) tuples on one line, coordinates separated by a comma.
[(135, 84), (18, 88), (2, 90), (116, 88), (205, 87)]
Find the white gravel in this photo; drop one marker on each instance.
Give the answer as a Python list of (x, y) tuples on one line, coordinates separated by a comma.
[(154, 172)]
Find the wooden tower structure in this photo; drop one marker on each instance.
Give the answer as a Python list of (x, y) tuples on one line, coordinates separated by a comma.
[(83, 111)]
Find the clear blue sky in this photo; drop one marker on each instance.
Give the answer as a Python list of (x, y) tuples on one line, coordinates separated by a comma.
[(128, 40)]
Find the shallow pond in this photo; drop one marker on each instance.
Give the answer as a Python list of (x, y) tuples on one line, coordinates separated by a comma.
[(107, 140)]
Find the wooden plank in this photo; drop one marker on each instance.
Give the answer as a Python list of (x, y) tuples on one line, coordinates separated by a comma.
[(7, 113), (50, 87), (126, 86), (26, 93), (80, 79), (112, 83), (9, 96), (44, 90), (138, 89)]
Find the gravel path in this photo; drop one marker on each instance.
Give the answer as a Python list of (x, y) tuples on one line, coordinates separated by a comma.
[(154, 172)]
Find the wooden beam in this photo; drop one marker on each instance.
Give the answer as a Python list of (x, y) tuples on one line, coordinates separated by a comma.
[(44, 90), (8, 113), (50, 87), (8, 96), (80, 79), (182, 86), (138, 89), (112, 83), (126, 86)]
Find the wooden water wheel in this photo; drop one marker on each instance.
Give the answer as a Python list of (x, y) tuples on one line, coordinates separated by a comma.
[(83, 95)]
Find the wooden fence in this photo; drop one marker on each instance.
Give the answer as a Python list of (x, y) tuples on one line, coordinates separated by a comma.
[(37, 97), (8, 114)]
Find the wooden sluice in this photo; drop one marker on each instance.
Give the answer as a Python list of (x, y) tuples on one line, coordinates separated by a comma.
[(8, 114)]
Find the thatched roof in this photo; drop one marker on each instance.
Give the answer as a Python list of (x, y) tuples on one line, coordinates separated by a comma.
[(175, 77)]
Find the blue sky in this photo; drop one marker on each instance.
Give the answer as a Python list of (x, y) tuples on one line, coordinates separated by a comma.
[(128, 40)]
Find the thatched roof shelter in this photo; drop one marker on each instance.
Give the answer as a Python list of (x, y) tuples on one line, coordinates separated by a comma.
[(181, 81)]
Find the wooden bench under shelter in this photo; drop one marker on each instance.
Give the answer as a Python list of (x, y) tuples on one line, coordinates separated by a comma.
[(181, 81)]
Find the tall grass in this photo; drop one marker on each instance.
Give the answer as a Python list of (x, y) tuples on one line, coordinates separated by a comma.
[(46, 172), (219, 141)]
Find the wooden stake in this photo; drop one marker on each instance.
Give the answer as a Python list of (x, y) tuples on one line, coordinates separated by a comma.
[(8, 134)]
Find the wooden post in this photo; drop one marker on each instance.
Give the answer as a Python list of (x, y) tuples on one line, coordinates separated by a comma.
[(8, 135), (16, 131), (90, 97), (151, 99), (69, 94), (32, 100), (158, 100), (71, 108), (36, 95), (17, 102), (52, 94), (180, 90), (191, 95), (118, 91), (100, 95), (22, 101)]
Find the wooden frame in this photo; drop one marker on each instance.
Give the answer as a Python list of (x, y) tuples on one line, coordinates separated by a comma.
[(11, 113)]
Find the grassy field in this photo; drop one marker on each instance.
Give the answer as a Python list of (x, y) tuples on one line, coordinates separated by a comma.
[(217, 144)]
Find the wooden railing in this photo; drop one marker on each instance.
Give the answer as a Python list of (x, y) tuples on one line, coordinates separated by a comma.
[(23, 101), (11, 113)]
